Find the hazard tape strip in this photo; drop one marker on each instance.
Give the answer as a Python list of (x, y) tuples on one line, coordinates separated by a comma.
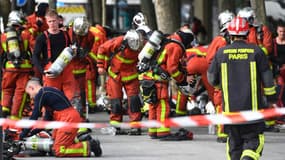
[(187, 121)]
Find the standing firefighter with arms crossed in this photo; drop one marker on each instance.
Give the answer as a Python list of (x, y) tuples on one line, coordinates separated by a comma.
[(240, 70)]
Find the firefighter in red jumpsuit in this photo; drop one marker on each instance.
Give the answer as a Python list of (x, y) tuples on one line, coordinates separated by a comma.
[(58, 108), (123, 74), (84, 65), (218, 42), (155, 80), (258, 33), (36, 22), (197, 65), (49, 47), (17, 66)]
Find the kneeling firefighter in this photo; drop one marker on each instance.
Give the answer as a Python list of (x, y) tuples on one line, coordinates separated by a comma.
[(123, 74)]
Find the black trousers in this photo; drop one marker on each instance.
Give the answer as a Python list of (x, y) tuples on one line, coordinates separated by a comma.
[(245, 140)]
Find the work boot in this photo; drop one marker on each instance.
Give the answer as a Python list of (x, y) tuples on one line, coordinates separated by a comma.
[(135, 132), (180, 135), (119, 131), (95, 147)]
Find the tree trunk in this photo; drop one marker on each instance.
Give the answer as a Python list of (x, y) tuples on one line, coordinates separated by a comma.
[(147, 8), (259, 7), (97, 11), (167, 15), (52, 4), (5, 10)]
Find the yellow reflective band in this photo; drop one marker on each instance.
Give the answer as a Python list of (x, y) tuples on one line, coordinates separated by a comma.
[(124, 60), (115, 123), (131, 77), (102, 57), (261, 143), (25, 64), (251, 154), (161, 57), (80, 130), (83, 150), (92, 55), (176, 74), (162, 117), (79, 71), (26, 44), (269, 91), (224, 71), (97, 39), (111, 74), (4, 46), (152, 130), (14, 117), (178, 101), (197, 51), (228, 150), (270, 122), (22, 106), (253, 82), (90, 93), (264, 50), (5, 108)]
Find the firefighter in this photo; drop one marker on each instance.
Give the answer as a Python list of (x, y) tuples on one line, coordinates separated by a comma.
[(240, 69), (100, 36), (259, 34), (52, 55), (36, 22), (17, 66), (218, 42), (123, 74), (84, 69), (160, 67), (58, 108), (196, 67)]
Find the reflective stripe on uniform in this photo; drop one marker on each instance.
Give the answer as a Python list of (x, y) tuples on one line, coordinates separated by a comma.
[(269, 91), (124, 60), (123, 79), (197, 51), (79, 71), (102, 57), (92, 55), (83, 150), (253, 80), (25, 64), (162, 117), (224, 71), (90, 94)]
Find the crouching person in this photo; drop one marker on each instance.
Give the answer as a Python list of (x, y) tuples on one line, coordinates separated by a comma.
[(58, 108)]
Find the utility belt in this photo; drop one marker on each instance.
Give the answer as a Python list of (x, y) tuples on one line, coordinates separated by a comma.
[(18, 62), (148, 90)]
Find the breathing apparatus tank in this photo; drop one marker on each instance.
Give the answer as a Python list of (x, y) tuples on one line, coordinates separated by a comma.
[(13, 43), (37, 143), (61, 61), (152, 45)]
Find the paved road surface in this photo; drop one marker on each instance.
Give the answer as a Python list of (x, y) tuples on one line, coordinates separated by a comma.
[(203, 147)]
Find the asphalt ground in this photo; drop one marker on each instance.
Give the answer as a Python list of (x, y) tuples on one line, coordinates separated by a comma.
[(202, 147)]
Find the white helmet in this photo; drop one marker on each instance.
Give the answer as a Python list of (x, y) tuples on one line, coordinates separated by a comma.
[(248, 14), (139, 20), (80, 26), (16, 18), (224, 19), (134, 40)]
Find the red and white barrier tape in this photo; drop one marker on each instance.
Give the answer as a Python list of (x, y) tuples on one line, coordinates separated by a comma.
[(187, 121)]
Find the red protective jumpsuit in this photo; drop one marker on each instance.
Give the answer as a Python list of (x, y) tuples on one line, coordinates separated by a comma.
[(47, 49), (217, 43), (169, 61), (84, 69), (34, 29), (15, 77), (122, 72), (196, 65), (263, 38)]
